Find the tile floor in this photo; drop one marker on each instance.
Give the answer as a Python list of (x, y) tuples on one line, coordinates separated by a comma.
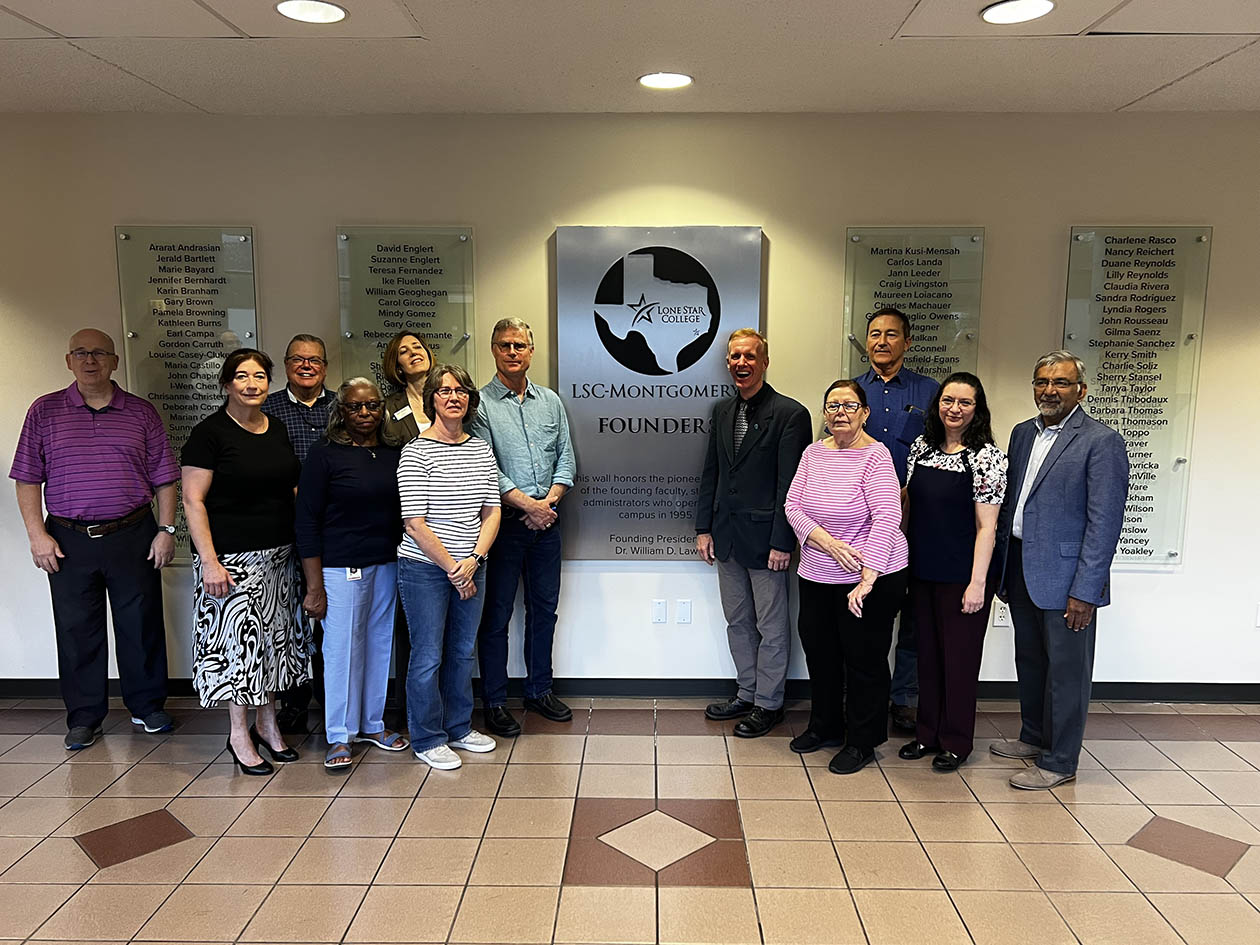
[(639, 822)]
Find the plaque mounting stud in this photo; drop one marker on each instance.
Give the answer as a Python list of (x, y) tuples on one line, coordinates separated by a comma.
[(463, 237), (1192, 336), (249, 334), (1071, 336), (342, 237), (1173, 554), (1079, 237), (1180, 460), (242, 238), (975, 239), (855, 239), (466, 336), (1201, 239), (348, 334), (132, 334), (971, 336), (123, 236)]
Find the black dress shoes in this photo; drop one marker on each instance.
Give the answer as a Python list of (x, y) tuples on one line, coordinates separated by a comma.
[(914, 750), (809, 741), (903, 718), (851, 759), (758, 722), (282, 757), (948, 761), (262, 769), (500, 722), (731, 709), (550, 708)]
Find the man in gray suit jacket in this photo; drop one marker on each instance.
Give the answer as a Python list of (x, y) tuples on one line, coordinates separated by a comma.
[(755, 444), (1066, 487)]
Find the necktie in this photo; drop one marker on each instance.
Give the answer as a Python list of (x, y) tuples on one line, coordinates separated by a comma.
[(741, 424)]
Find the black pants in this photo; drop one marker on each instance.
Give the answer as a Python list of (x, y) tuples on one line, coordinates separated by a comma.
[(847, 658), (93, 569), (298, 699)]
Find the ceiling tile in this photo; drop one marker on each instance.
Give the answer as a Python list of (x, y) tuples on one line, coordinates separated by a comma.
[(12, 27), (54, 76), (365, 19), (962, 18), (1200, 16), (75, 18), (1233, 84)]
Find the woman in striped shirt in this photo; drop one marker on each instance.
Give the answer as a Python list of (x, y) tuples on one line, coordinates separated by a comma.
[(449, 488), (845, 506)]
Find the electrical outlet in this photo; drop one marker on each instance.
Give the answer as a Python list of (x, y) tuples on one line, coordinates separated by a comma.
[(660, 611), (682, 610), (1001, 614)]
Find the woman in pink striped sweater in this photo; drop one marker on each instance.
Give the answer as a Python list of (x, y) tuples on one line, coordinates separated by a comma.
[(845, 507)]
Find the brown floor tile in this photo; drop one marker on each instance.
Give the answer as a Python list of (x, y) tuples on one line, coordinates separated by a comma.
[(37, 816), (203, 913), (1071, 867), (1131, 755), (694, 781), (1099, 918), (1206, 708), (447, 817), (1221, 820), (589, 914), (901, 916), (520, 914), (207, 816), (248, 860), (768, 750), (1028, 823), (37, 749), (687, 722), (927, 786), (631, 702), (617, 780), (876, 864), (1210, 920), (1160, 728), (1152, 873), (1232, 787), (721, 863), (794, 863), (205, 722), (16, 778), (595, 816), (1112, 823), (1141, 708), (105, 913), (999, 918), (116, 748), (534, 724), (691, 750), (154, 780), (337, 861), (304, 914), (131, 838), (24, 908), (620, 750), (187, 749), (714, 916), (1201, 849), (25, 721), (167, 865), (279, 817), (796, 720), (1229, 728), (531, 817), (591, 862), (1166, 787), (76, 780), (54, 858), (518, 861), (991, 866), (405, 914), (809, 917), (424, 861), (549, 749), (363, 817), (772, 784), (869, 784), (220, 780), (717, 818), (621, 722)]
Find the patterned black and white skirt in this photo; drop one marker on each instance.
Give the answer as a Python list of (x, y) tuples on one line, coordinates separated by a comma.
[(253, 641)]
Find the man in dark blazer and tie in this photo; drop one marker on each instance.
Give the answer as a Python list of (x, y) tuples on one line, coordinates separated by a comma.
[(1067, 484), (755, 444)]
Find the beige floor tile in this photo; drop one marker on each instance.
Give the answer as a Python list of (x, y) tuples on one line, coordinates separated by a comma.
[(1101, 918), (1151, 873), (548, 749), (13, 849), (363, 817), (187, 749), (1210, 920), (37, 816), (58, 858), (405, 914), (1095, 787), (991, 866), (644, 702), (1223, 820), (154, 780), (1250, 751), (695, 781), (709, 915), (116, 748), (279, 817), (1206, 708), (800, 864), (928, 786), (904, 916), (471, 780), (770, 750), (1141, 708), (809, 917), (530, 817), (1072, 867), (993, 784), (76, 780), (617, 781), (1112, 823), (168, 865), (1129, 755), (203, 913), (696, 703), (425, 861), (1245, 876), (1167, 787), (304, 781), (105, 913), (246, 860), (1000, 918), (782, 820), (220, 780), (492, 914), (617, 750), (24, 908), (760, 782), (691, 750), (607, 914), (519, 861), (866, 820), (1203, 756), (873, 864), (447, 817), (16, 778), (207, 816), (869, 784), (337, 861), (38, 749), (304, 914), (1232, 787), (103, 811), (1248, 708), (533, 781), (952, 823), (1026, 823)]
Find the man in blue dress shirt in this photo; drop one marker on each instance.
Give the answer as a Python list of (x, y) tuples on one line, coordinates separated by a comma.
[(899, 400), (529, 432)]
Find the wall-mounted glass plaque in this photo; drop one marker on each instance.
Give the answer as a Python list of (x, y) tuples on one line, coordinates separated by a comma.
[(393, 278), (187, 300), (932, 273), (1135, 302)]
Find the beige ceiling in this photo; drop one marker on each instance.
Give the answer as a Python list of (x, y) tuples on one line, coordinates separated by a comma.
[(496, 56)]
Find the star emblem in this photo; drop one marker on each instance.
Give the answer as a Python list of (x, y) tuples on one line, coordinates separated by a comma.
[(642, 310)]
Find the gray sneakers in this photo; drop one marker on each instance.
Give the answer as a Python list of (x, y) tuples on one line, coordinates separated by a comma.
[(1039, 779), (1010, 748)]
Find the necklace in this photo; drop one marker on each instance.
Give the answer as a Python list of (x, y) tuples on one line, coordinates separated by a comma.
[(363, 446)]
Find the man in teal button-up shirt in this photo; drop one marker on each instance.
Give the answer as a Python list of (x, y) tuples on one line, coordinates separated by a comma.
[(527, 427)]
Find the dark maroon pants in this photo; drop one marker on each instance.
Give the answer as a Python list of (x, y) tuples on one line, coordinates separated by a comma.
[(951, 645)]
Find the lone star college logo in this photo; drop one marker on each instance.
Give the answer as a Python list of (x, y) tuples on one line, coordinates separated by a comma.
[(673, 322)]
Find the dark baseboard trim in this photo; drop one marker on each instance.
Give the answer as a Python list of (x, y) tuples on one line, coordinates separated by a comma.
[(721, 688)]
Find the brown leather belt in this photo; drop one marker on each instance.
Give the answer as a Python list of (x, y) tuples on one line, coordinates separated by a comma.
[(101, 529)]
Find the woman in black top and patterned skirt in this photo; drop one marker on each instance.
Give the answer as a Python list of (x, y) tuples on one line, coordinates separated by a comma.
[(239, 476)]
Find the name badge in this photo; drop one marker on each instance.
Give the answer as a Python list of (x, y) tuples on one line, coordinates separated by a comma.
[(403, 413), (354, 574)]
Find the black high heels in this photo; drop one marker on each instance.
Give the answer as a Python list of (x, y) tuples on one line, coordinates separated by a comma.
[(262, 769), (280, 757)]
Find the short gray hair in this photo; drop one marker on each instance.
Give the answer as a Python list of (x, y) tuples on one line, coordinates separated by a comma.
[(1060, 356), (308, 339), (511, 323)]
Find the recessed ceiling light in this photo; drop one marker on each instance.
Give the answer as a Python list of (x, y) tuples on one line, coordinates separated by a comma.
[(311, 11), (665, 80), (1016, 11)]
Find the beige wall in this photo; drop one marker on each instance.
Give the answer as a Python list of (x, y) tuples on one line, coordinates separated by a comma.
[(67, 180)]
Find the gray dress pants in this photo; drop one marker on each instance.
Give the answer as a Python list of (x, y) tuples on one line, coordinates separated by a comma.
[(755, 602)]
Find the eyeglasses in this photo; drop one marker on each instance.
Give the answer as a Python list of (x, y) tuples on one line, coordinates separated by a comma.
[(371, 406), (513, 345), (96, 354), (962, 404), (849, 406), (1058, 383), (452, 392), (313, 362)]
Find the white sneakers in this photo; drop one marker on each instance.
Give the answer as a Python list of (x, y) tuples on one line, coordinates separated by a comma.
[(443, 759)]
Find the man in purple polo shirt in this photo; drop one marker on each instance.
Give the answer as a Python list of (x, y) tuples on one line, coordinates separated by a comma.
[(100, 455)]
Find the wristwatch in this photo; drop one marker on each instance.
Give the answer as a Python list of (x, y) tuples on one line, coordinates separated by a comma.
[(480, 559), (169, 529)]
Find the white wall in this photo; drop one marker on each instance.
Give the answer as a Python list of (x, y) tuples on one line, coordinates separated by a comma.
[(67, 180)]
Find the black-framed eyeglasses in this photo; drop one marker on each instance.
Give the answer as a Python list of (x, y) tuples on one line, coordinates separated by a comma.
[(849, 406), (96, 354), (371, 406), (452, 392), (1058, 383), (962, 404), (313, 362), (513, 345)]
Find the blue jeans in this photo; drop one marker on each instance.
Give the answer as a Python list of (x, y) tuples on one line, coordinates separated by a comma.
[(536, 553), (358, 634), (443, 632)]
